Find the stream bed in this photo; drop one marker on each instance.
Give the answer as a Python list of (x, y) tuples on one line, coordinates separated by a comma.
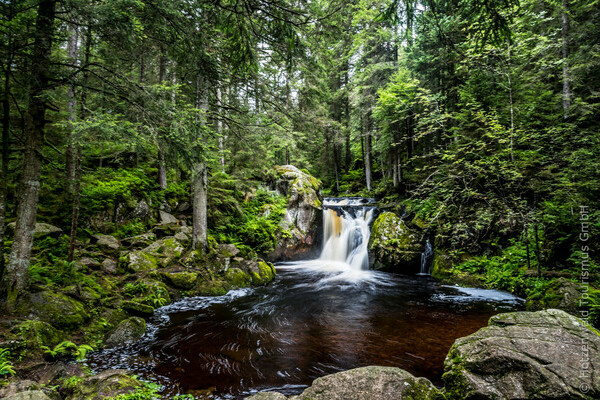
[(315, 319)]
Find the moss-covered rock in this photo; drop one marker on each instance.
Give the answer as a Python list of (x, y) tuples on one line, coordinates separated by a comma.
[(41, 230), (166, 250), (55, 308), (561, 293), (181, 280), (140, 261), (128, 331), (394, 246), (105, 385), (36, 334), (265, 274), (302, 220), (135, 308), (238, 278)]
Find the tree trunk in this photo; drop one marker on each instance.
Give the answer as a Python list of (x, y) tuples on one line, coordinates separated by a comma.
[(287, 155), (162, 165), (17, 270), (565, 61), (220, 130), (4, 166), (199, 201), (72, 47), (368, 156)]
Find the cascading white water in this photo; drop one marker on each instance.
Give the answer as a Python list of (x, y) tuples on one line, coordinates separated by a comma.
[(426, 257), (346, 231)]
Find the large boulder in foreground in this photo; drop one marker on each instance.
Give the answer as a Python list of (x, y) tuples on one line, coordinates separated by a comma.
[(56, 309), (367, 383), (303, 219), (394, 246), (526, 355), (128, 331)]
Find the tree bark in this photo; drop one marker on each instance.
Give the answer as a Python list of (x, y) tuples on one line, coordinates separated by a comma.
[(72, 47), (220, 130), (565, 61), (368, 156), (199, 201), (17, 271), (162, 165), (200, 179)]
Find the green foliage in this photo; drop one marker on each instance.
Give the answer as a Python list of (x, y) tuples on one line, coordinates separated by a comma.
[(6, 367), (146, 391), (67, 349)]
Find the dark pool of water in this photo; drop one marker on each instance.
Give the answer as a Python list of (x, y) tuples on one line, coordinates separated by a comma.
[(311, 321)]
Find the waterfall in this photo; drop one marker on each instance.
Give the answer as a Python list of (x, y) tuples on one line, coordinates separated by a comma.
[(426, 257), (346, 231)]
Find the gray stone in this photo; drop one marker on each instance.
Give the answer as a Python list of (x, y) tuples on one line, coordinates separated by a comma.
[(367, 383), (106, 242), (41, 229), (54, 308), (141, 211), (526, 355), (90, 263), (16, 387), (105, 385), (109, 266), (140, 241), (166, 218), (128, 331), (28, 395)]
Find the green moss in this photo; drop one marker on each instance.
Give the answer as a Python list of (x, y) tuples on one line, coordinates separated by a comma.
[(56, 309), (36, 334), (181, 280), (140, 261), (135, 308), (265, 274), (238, 278)]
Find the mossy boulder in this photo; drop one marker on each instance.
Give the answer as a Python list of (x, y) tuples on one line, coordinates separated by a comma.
[(561, 293), (238, 278), (107, 384), (128, 331), (28, 395), (394, 246), (367, 383), (106, 242), (166, 250), (136, 308), (526, 355), (36, 334), (265, 274), (302, 220), (140, 261), (181, 280), (55, 308)]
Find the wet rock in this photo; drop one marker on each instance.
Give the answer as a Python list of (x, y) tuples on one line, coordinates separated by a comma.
[(394, 246), (41, 229), (538, 355), (166, 218), (181, 280), (302, 222), (128, 331), (367, 383), (107, 384), (106, 242), (561, 293), (28, 395), (109, 266), (139, 309), (54, 308)]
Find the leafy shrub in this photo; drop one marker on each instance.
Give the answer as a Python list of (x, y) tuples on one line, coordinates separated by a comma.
[(6, 367), (67, 350)]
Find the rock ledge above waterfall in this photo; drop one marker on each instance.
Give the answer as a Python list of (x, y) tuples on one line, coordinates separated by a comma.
[(302, 222)]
